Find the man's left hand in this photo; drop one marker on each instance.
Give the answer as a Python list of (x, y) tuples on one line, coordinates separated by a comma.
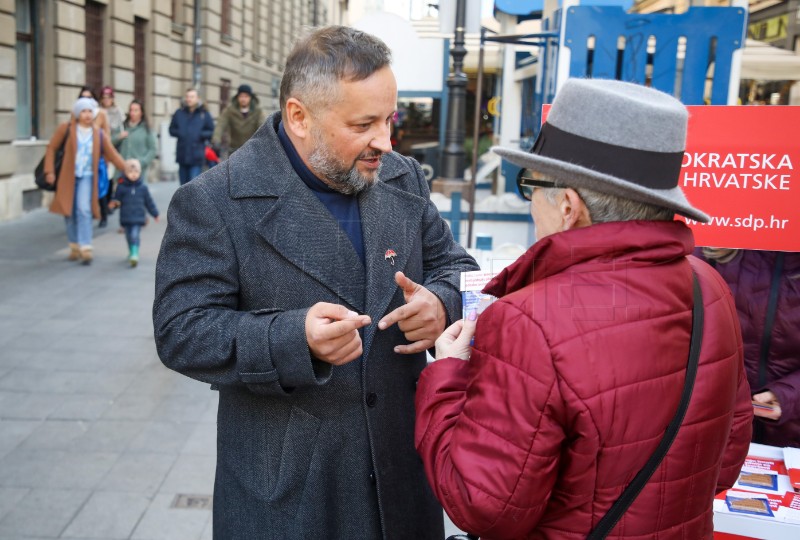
[(422, 319)]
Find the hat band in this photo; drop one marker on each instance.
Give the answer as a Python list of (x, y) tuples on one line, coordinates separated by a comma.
[(654, 170)]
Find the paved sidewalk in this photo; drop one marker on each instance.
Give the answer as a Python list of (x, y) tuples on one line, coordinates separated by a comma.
[(97, 438)]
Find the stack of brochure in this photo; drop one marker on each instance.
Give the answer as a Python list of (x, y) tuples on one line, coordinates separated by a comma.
[(764, 489)]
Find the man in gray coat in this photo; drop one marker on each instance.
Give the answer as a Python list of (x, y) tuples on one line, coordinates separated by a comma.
[(304, 279)]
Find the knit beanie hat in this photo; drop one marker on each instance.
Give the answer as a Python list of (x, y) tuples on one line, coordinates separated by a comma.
[(83, 104)]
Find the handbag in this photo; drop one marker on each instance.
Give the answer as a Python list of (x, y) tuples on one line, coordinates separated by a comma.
[(102, 178), (102, 172), (38, 174), (609, 521)]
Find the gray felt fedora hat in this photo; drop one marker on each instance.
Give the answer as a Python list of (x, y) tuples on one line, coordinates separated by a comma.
[(613, 137)]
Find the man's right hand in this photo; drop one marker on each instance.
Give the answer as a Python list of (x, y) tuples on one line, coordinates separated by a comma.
[(332, 333), (50, 178)]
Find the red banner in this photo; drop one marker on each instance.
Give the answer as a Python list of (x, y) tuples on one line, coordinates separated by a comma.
[(742, 167)]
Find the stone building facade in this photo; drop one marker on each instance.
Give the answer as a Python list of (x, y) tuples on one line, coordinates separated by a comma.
[(146, 49)]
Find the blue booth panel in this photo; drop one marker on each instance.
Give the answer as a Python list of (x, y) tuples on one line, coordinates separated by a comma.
[(711, 36)]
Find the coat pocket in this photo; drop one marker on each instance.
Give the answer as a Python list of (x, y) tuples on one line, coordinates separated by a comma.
[(299, 447)]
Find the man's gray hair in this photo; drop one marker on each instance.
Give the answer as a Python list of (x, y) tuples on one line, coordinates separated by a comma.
[(326, 56), (604, 208)]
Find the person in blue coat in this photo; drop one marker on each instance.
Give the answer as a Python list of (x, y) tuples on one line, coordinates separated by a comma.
[(134, 198), (193, 126)]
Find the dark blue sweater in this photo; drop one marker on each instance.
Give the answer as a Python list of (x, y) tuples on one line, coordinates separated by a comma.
[(343, 207)]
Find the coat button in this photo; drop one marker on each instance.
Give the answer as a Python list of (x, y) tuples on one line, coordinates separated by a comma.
[(372, 477), (372, 399)]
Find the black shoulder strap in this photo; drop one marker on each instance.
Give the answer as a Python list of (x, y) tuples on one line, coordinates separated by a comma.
[(70, 127), (619, 507)]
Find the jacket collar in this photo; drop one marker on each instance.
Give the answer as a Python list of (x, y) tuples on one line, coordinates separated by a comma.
[(200, 107), (596, 247), (134, 183)]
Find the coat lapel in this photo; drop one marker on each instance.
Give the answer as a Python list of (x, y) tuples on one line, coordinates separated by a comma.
[(390, 219), (303, 231), (299, 226), (294, 220)]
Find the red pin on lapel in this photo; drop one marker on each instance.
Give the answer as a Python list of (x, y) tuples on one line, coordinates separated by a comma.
[(390, 255)]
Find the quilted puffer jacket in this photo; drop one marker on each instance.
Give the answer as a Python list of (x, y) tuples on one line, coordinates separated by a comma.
[(749, 276), (575, 372)]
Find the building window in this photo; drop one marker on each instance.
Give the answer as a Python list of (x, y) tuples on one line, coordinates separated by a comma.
[(95, 13), (224, 94), (27, 111), (225, 18), (139, 58)]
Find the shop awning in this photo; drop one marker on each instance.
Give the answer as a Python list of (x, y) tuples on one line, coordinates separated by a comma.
[(761, 61)]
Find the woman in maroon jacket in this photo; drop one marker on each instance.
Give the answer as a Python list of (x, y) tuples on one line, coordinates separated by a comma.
[(766, 287), (578, 367)]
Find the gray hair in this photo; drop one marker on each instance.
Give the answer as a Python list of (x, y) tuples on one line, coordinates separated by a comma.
[(326, 56), (604, 208)]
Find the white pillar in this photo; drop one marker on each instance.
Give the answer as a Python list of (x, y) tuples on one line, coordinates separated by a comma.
[(511, 98)]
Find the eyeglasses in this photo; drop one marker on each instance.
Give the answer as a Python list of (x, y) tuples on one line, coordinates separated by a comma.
[(526, 185)]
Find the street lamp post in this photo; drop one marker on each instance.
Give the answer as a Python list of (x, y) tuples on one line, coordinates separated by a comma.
[(453, 154)]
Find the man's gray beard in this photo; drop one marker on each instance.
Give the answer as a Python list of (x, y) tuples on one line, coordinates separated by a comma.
[(338, 176)]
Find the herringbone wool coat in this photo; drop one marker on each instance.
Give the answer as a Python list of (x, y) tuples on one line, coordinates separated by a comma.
[(304, 450)]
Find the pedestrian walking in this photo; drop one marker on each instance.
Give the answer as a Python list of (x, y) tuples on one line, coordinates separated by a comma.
[(112, 112), (105, 170), (193, 126), (239, 120), (100, 119), (593, 345), (133, 198), (766, 288), (136, 140), (77, 188), (275, 285)]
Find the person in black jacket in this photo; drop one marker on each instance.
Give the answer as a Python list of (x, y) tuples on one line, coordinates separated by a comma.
[(193, 126), (134, 198)]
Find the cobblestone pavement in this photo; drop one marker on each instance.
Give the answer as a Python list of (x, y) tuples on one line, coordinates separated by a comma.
[(98, 440)]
